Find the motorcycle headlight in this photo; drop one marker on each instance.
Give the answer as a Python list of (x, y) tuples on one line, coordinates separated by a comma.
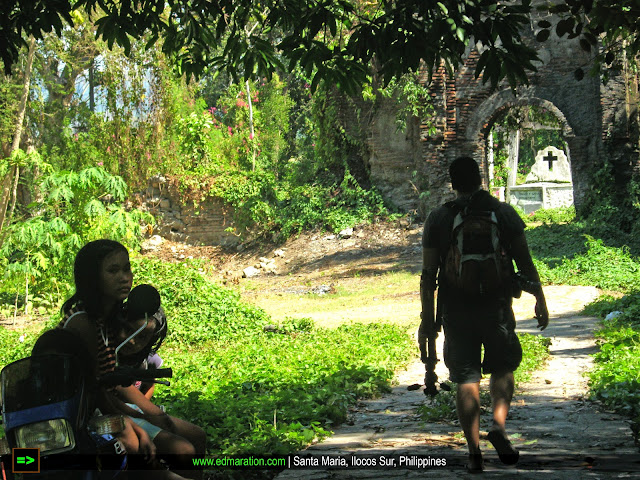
[(49, 436)]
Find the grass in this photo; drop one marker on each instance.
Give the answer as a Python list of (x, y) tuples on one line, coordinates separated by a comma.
[(568, 255), (279, 391), (598, 254), (273, 392)]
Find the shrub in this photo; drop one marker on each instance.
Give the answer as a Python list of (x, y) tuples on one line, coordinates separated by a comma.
[(614, 378), (552, 215), (198, 309), (604, 267)]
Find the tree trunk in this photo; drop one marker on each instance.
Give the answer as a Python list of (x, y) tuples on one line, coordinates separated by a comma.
[(14, 197), (92, 94), (513, 149), (14, 172), (252, 136)]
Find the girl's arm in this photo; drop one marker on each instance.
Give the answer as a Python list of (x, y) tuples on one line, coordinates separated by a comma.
[(151, 412), (149, 392), (145, 446), (108, 402)]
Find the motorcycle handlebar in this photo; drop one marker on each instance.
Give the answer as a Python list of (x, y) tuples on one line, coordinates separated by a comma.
[(126, 376), (157, 373)]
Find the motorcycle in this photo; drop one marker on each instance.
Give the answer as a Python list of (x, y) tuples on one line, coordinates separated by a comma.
[(48, 403)]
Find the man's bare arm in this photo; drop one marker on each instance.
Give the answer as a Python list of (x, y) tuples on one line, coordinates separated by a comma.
[(522, 257), (430, 262)]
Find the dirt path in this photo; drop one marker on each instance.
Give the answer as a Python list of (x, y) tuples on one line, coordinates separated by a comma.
[(560, 434)]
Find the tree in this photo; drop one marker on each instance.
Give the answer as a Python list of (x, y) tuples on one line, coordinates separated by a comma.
[(20, 19), (608, 28), (76, 207), (331, 41), (10, 181), (62, 60)]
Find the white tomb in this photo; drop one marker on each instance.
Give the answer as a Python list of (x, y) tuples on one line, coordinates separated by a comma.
[(551, 165), (548, 185)]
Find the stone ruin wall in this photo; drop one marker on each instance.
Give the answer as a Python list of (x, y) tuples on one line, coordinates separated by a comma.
[(204, 224), (392, 158)]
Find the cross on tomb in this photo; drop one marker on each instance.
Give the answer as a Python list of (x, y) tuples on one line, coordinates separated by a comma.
[(550, 158)]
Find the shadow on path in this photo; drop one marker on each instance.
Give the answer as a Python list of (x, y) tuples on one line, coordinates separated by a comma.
[(560, 434)]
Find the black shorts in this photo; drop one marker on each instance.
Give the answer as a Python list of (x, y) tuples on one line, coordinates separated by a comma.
[(468, 326)]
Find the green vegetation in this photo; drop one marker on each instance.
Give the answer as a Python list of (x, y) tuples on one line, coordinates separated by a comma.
[(258, 391), (608, 268), (335, 43), (614, 380), (279, 156), (37, 253), (15, 345), (535, 351), (275, 392), (549, 215), (595, 252)]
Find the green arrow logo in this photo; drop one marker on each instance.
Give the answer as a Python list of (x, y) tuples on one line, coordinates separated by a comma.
[(25, 460)]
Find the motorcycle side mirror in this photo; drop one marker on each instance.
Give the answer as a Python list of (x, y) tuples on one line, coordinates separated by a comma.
[(119, 347)]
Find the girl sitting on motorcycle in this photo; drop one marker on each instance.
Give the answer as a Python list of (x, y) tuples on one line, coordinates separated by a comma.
[(103, 279)]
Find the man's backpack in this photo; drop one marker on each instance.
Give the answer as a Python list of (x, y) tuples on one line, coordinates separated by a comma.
[(476, 263)]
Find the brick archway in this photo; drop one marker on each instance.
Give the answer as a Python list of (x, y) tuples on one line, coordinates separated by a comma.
[(599, 125), (483, 118), (470, 108)]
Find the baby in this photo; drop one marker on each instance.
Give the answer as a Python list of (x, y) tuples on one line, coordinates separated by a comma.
[(139, 342)]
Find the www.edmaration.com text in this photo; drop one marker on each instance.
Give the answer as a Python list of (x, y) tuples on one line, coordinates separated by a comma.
[(315, 461)]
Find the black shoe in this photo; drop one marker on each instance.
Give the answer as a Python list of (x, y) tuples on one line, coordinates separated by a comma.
[(506, 452), (476, 464)]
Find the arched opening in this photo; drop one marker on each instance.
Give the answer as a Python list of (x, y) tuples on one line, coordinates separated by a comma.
[(527, 157)]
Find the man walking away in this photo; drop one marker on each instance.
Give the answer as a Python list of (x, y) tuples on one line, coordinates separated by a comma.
[(468, 245)]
